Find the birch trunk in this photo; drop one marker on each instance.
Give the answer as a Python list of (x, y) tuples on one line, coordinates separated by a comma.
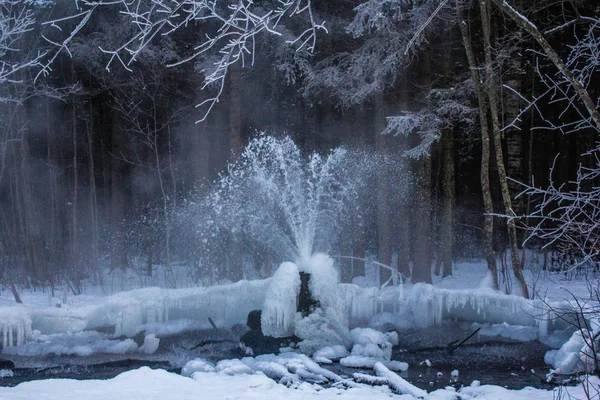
[(488, 221), (493, 103)]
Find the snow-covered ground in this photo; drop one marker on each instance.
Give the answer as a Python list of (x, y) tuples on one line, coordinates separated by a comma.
[(148, 384)]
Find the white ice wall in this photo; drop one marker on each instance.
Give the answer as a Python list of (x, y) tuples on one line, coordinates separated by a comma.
[(228, 305)]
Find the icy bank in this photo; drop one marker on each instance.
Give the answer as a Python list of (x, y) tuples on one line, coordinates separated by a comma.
[(424, 305), (127, 313), (343, 306)]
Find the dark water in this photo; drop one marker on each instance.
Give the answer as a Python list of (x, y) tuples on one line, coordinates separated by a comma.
[(513, 365)]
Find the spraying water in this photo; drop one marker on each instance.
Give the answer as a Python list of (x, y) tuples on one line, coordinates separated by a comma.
[(285, 201)]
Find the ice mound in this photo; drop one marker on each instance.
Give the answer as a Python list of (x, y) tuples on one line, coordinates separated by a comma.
[(328, 354), (371, 347), (150, 344), (368, 342), (327, 325), (571, 357), (233, 367), (6, 373), (279, 308), (197, 365)]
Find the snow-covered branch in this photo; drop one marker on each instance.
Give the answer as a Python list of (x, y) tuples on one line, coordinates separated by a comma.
[(227, 32), (568, 215), (16, 19), (569, 71), (385, 29), (447, 107)]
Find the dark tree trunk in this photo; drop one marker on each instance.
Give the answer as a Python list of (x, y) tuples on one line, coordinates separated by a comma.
[(118, 257), (422, 199)]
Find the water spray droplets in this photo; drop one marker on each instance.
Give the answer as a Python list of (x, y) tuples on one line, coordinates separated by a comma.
[(283, 200)]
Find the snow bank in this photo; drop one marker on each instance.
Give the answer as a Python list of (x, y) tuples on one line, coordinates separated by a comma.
[(149, 384)]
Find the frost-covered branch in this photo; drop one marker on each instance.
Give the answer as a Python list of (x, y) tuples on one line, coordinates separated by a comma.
[(447, 108), (568, 215), (571, 73), (385, 28), (16, 19), (227, 31)]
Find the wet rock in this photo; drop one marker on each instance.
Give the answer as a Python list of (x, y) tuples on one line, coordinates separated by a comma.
[(6, 364), (254, 342)]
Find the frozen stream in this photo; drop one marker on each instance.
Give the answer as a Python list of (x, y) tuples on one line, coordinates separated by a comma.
[(495, 361)]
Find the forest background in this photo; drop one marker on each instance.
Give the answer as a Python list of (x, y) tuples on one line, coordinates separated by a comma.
[(100, 157)]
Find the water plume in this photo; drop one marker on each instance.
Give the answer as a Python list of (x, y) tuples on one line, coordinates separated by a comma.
[(285, 201)]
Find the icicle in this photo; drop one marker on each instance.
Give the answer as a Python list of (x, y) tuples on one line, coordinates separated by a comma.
[(19, 334), (4, 336), (401, 287), (10, 335), (543, 320)]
